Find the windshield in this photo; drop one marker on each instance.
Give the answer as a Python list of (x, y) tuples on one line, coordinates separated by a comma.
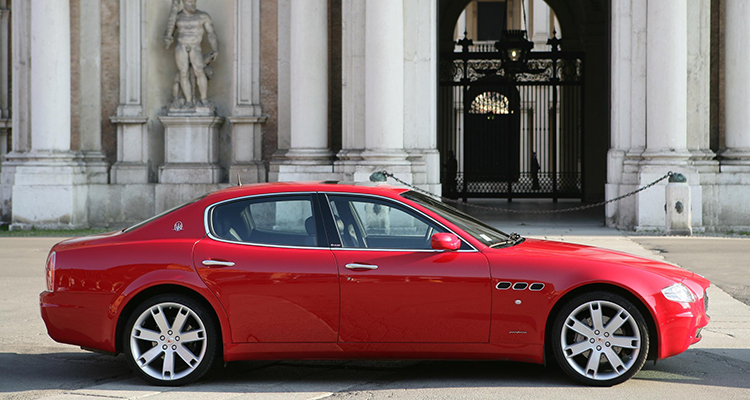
[(480, 231), (155, 217)]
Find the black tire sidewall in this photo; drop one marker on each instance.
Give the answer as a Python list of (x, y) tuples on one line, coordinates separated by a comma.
[(212, 338), (568, 308)]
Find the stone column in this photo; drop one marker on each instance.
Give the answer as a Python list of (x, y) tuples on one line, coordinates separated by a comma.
[(666, 115), (667, 80), (736, 39), (5, 122), (247, 115), (49, 187), (353, 87), (384, 90), (91, 91), (309, 156), (132, 134), (420, 92)]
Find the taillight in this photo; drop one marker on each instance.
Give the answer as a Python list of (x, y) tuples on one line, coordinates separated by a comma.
[(51, 271)]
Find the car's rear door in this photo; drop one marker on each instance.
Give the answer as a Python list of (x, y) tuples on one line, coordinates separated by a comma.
[(395, 288), (267, 259)]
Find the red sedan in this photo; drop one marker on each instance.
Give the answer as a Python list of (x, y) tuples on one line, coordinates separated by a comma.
[(329, 270)]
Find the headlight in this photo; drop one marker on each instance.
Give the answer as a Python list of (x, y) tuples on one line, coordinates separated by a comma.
[(679, 293)]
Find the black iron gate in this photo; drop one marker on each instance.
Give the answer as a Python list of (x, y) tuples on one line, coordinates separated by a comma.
[(511, 135)]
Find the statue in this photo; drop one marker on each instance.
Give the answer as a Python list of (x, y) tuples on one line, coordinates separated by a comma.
[(191, 24)]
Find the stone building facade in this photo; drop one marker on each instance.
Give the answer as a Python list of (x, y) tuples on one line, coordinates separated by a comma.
[(335, 89)]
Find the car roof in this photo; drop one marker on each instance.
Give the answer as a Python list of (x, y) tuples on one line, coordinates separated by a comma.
[(375, 188)]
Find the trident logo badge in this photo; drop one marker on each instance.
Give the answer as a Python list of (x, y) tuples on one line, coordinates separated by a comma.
[(178, 226)]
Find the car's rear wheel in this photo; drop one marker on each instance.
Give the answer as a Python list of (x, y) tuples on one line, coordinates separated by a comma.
[(600, 339), (171, 340)]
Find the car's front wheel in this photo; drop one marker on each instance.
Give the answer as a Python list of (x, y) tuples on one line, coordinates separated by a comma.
[(171, 340), (600, 339)]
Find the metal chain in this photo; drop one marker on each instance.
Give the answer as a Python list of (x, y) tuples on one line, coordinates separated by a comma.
[(508, 210)]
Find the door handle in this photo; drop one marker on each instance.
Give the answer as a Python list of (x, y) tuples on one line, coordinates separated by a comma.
[(217, 263), (356, 266)]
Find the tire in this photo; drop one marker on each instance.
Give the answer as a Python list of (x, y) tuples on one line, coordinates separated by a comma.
[(583, 328), (153, 342)]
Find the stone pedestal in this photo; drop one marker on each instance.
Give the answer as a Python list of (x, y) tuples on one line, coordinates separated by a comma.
[(246, 150), (191, 149), (132, 151), (678, 207)]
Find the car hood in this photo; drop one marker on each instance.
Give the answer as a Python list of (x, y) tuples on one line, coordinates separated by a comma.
[(597, 256)]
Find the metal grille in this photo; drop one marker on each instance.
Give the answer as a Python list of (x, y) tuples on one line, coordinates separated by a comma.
[(512, 135)]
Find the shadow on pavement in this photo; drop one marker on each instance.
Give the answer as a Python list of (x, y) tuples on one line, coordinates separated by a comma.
[(98, 374)]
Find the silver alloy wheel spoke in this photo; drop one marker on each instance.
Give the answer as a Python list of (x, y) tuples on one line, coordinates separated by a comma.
[(180, 352), (147, 334), (160, 319), (597, 328), (577, 348), (614, 361), (146, 358), (595, 308), (179, 321), (192, 336), (592, 366), (579, 327), (625, 342)]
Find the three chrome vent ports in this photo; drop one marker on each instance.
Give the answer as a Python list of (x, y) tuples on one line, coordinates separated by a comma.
[(534, 287)]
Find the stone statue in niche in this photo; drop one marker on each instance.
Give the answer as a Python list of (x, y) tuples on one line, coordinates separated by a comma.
[(190, 25)]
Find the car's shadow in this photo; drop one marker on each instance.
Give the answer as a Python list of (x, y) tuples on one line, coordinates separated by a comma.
[(102, 374)]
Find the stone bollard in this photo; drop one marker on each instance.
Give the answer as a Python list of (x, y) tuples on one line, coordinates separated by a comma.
[(679, 221)]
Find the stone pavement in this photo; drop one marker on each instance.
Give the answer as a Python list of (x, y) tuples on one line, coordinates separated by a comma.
[(33, 366)]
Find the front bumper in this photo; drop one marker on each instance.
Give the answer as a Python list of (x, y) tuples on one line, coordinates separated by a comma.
[(680, 324)]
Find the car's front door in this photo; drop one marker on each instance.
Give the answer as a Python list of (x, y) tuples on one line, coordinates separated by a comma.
[(395, 287), (267, 259)]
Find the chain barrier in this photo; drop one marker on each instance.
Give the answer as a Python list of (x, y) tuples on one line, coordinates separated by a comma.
[(387, 174)]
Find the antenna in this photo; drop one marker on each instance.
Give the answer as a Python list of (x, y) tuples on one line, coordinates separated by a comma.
[(239, 180)]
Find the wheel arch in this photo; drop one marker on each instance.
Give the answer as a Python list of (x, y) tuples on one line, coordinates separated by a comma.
[(653, 344), (152, 291)]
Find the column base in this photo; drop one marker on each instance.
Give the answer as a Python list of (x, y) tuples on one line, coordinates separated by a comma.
[(49, 190), (247, 173), (129, 173), (735, 158), (190, 173)]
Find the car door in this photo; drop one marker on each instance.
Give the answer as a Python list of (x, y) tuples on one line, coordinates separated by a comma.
[(267, 259), (395, 287)]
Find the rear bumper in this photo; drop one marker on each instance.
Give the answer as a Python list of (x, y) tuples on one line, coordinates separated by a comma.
[(680, 323), (70, 318)]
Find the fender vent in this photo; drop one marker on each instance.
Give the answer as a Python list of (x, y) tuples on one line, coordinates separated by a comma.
[(503, 285), (520, 286), (536, 286)]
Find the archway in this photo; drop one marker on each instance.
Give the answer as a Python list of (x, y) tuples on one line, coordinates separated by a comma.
[(584, 26)]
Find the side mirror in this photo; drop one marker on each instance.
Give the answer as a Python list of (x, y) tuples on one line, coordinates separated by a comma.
[(445, 241)]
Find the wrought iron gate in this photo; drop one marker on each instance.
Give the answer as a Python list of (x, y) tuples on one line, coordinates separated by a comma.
[(507, 134)]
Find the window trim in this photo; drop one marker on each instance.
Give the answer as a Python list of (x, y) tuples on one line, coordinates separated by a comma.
[(404, 205), (329, 214), (209, 232)]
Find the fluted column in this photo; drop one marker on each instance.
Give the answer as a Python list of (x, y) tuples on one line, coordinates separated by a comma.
[(50, 75), (309, 81), (737, 56), (384, 82), (666, 127), (49, 188)]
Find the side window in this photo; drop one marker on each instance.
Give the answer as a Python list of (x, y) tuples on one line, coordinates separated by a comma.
[(278, 220), (370, 223)]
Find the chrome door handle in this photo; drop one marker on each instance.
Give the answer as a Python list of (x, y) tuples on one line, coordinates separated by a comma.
[(361, 266), (217, 263)]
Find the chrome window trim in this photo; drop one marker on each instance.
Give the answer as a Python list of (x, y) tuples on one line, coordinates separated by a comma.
[(207, 227), (386, 199), (211, 206)]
